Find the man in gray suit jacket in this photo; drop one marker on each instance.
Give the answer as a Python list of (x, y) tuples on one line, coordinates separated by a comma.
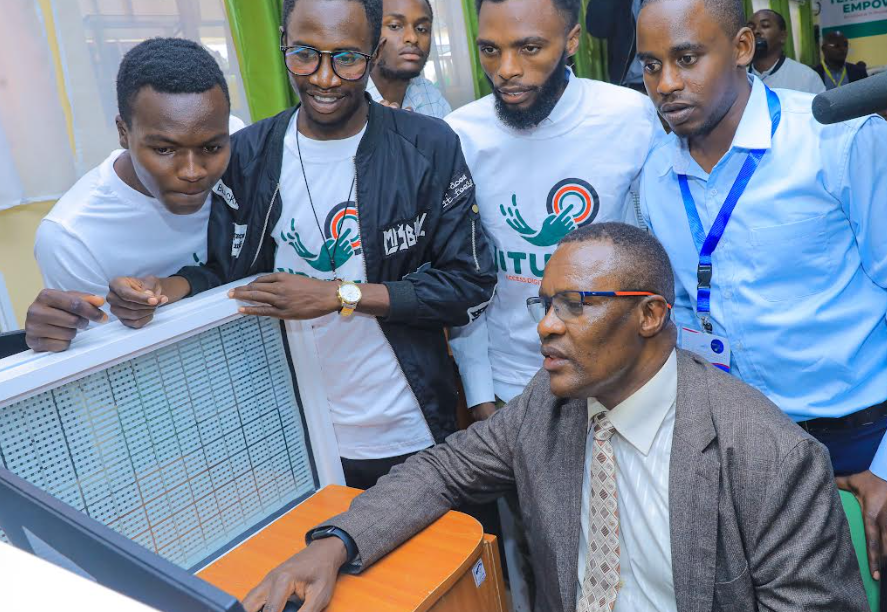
[(723, 503)]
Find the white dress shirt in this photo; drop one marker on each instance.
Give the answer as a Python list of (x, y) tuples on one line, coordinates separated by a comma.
[(644, 425)]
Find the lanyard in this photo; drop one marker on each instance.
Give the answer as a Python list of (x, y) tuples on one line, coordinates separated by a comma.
[(706, 244), (843, 74)]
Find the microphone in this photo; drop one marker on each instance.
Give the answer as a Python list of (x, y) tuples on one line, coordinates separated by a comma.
[(857, 99)]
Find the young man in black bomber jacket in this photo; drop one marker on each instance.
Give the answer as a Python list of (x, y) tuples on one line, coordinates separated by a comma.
[(376, 277)]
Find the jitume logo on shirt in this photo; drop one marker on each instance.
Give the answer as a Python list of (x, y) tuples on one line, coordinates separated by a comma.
[(342, 239), (572, 203)]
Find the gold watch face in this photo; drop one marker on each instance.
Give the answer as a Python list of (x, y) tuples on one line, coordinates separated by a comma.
[(349, 293)]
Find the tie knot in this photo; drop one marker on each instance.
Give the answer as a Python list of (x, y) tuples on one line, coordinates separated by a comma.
[(603, 428)]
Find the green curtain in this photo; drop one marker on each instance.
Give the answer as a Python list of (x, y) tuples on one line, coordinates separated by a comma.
[(481, 84), (749, 9), (782, 7), (254, 27), (809, 55), (591, 59)]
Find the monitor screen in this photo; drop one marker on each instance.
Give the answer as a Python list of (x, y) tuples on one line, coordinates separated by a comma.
[(54, 531), (187, 439)]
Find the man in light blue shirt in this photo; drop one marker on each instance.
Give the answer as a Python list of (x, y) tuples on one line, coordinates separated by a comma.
[(797, 283)]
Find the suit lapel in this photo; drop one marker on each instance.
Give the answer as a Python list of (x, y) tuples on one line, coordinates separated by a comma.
[(694, 482), (572, 467)]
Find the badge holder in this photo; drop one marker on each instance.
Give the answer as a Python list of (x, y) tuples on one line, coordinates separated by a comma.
[(714, 348)]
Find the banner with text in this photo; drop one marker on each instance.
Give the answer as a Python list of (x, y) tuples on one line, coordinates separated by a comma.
[(864, 22)]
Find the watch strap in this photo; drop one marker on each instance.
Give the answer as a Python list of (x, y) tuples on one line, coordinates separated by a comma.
[(335, 532)]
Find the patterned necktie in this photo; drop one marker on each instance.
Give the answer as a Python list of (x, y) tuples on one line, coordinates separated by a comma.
[(600, 585)]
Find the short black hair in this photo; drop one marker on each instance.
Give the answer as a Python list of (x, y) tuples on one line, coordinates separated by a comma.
[(644, 266), (780, 20), (373, 9), (568, 8), (729, 13), (167, 65)]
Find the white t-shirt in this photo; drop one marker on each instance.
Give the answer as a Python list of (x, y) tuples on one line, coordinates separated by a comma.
[(374, 411), (533, 186), (789, 74), (103, 228)]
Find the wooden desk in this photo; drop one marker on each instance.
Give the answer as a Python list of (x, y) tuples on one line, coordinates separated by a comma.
[(432, 571)]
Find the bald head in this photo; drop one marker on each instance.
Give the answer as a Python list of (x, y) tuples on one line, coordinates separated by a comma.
[(641, 263), (835, 47)]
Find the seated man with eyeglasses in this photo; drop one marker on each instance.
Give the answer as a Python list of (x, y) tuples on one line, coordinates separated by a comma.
[(651, 480), (366, 219)]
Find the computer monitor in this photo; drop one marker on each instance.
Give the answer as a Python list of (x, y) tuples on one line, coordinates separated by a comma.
[(54, 531)]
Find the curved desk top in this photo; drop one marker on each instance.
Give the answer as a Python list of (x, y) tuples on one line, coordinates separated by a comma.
[(412, 577)]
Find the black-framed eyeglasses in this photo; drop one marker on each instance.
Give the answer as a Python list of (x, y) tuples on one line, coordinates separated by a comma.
[(302, 60), (569, 305)]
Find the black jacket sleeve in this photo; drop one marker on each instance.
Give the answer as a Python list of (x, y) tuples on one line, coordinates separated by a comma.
[(459, 282), (212, 274)]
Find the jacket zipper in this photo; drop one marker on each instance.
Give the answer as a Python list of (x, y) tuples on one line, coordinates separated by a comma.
[(376, 319), (265, 227), (474, 247)]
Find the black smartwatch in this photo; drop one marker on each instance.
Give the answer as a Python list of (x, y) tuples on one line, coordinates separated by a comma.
[(335, 532)]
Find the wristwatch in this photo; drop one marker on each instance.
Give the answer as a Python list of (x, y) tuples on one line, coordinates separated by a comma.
[(349, 297), (351, 551)]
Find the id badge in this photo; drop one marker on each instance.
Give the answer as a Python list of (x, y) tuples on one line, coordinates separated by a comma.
[(715, 349)]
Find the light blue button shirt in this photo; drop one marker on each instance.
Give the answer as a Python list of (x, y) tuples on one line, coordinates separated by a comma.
[(800, 275)]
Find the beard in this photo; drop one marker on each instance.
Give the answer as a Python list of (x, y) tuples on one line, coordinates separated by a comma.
[(392, 74), (547, 97)]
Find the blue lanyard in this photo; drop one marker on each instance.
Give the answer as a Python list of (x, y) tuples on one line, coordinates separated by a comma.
[(706, 244)]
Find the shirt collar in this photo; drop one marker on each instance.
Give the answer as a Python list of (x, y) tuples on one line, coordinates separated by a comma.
[(773, 69), (639, 417), (376, 95), (753, 132), (565, 106)]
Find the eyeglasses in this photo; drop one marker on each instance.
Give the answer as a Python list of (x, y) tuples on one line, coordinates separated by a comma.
[(569, 305), (305, 61)]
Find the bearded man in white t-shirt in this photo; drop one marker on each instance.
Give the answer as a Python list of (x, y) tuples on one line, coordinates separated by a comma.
[(145, 208), (550, 152)]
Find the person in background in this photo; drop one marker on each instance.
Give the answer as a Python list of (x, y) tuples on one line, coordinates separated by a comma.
[(835, 70), (775, 226), (397, 75), (365, 218), (145, 208), (614, 20), (653, 482), (770, 63)]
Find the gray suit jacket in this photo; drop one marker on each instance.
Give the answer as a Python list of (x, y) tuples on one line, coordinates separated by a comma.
[(756, 521)]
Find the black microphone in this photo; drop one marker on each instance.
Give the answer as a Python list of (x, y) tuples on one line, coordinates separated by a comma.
[(857, 99)]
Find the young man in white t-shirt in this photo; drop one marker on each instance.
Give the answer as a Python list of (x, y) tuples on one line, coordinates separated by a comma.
[(550, 152), (145, 208)]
